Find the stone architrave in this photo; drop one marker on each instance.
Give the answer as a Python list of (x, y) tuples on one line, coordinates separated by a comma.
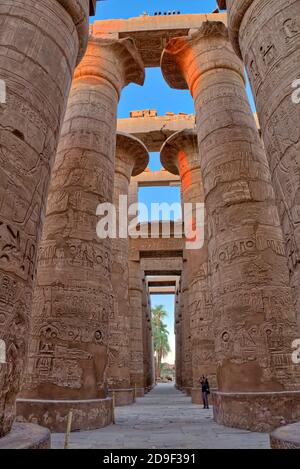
[(73, 299), (136, 327), (180, 155), (254, 318), (41, 43), (267, 36), (131, 159)]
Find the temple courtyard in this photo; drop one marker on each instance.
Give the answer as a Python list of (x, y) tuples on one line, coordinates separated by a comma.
[(164, 419)]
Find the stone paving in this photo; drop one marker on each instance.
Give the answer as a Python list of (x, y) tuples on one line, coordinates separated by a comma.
[(164, 418)]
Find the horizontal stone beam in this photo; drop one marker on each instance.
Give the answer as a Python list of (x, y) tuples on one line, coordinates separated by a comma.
[(152, 33), (156, 178), (154, 131)]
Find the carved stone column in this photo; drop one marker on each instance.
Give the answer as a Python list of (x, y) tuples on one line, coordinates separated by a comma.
[(254, 318), (187, 371), (73, 298), (136, 327), (180, 155), (41, 42), (178, 340), (267, 36), (131, 159)]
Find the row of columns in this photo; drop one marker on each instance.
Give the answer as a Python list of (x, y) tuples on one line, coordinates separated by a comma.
[(244, 268)]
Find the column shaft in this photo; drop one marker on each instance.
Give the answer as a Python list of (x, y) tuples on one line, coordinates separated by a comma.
[(40, 43), (254, 319), (267, 36), (136, 327), (131, 159), (73, 298)]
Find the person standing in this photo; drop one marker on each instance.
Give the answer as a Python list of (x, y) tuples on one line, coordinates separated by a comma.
[(205, 391)]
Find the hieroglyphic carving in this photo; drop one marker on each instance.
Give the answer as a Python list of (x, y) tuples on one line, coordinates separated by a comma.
[(268, 39), (37, 87), (131, 159), (74, 301), (246, 257)]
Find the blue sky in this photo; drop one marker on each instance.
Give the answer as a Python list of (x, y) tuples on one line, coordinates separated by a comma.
[(156, 94)]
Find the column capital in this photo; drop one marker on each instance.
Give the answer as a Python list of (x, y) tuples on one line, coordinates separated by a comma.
[(115, 60), (79, 12), (180, 152), (186, 58), (132, 156)]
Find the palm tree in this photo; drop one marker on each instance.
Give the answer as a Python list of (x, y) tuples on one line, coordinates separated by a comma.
[(160, 336)]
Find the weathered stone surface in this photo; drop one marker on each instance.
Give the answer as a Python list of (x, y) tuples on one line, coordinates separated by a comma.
[(180, 155), (267, 35), (136, 327), (254, 318), (73, 298), (287, 437), (131, 159), (40, 45), (151, 33), (26, 436), (87, 414)]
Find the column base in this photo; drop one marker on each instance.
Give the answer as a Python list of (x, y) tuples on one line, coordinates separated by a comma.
[(122, 396), (287, 437), (26, 436), (196, 395), (140, 392), (258, 412), (187, 390), (87, 414)]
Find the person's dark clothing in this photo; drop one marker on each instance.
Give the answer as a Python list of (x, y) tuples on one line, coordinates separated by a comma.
[(205, 392)]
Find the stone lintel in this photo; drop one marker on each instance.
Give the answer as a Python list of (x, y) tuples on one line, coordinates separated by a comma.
[(154, 131), (156, 178), (152, 33)]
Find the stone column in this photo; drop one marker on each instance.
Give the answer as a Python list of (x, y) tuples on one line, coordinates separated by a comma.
[(145, 335), (131, 159), (73, 298), (267, 36), (178, 339), (254, 318), (180, 155), (136, 327), (41, 42), (187, 371), (148, 347)]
